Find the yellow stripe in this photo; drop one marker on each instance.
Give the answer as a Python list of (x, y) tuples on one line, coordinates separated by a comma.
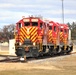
[(28, 37), (50, 36), (22, 32), (34, 35), (50, 32), (21, 41), (34, 40), (34, 30), (31, 30), (28, 33), (22, 35), (21, 38), (25, 33)]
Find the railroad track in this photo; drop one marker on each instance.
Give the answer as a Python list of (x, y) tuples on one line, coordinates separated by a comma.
[(7, 58), (14, 59)]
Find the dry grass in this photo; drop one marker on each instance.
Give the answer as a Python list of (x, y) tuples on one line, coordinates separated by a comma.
[(39, 72), (65, 66)]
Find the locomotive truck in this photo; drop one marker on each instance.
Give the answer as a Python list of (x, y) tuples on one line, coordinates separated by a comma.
[(35, 36)]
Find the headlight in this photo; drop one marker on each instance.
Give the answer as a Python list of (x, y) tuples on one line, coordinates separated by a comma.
[(22, 59), (20, 43), (34, 43)]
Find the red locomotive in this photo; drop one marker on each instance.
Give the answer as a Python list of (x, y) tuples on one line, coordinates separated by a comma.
[(35, 37)]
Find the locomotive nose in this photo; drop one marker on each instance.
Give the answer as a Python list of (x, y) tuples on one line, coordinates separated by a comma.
[(27, 42)]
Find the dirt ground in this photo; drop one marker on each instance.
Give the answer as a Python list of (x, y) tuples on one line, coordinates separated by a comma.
[(59, 66)]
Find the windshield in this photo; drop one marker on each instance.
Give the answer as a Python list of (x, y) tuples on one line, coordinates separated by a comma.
[(34, 23), (26, 23)]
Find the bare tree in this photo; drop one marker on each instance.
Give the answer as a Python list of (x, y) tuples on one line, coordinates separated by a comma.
[(7, 32)]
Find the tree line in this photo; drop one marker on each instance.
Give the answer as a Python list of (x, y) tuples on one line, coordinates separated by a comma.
[(7, 32), (72, 27)]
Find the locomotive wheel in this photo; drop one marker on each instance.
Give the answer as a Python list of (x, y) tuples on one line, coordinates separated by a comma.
[(35, 53), (51, 51), (57, 49), (24, 57), (20, 52), (62, 50), (69, 49)]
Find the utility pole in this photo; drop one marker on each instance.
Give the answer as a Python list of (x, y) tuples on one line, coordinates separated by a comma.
[(62, 12)]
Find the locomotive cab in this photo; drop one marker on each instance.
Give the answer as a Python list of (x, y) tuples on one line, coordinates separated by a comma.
[(54, 37), (64, 39), (51, 38)]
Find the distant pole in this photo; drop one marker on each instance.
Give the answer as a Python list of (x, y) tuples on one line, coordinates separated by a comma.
[(62, 12)]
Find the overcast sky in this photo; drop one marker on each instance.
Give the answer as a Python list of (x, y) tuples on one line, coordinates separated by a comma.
[(12, 10)]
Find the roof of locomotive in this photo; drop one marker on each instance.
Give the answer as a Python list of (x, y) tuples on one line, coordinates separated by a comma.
[(65, 26), (29, 18), (53, 23)]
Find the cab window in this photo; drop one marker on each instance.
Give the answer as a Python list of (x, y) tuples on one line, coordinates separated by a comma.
[(50, 27), (61, 30), (19, 25), (55, 28), (65, 30), (41, 25), (26, 23), (34, 23)]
